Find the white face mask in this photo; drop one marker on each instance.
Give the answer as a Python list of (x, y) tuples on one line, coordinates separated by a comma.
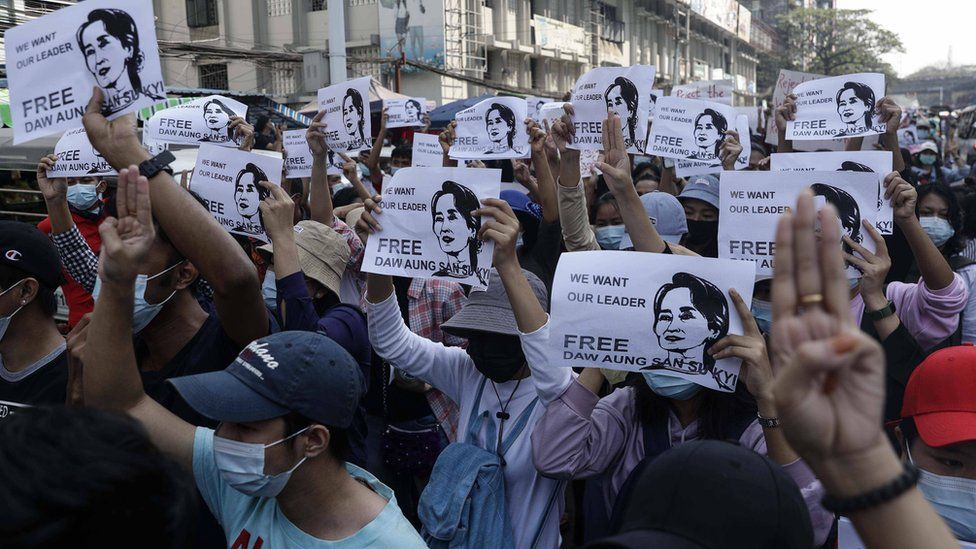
[(241, 465), (143, 312), (954, 499), (5, 321)]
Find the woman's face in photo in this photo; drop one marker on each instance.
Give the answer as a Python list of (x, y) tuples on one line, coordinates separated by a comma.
[(105, 55), (679, 326), (496, 126), (413, 113), (450, 226), (246, 195), (850, 107), (617, 104), (350, 116), (216, 117), (706, 134)]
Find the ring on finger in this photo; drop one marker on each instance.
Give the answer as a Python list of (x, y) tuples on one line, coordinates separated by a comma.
[(811, 299)]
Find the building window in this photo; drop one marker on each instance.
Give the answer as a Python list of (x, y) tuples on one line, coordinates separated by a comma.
[(316, 5), (214, 77), (201, 13), (279, 7), (283, 79)]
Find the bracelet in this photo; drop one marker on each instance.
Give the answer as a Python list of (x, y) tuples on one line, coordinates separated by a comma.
[(768, 422), (881, 313), (883, 494)]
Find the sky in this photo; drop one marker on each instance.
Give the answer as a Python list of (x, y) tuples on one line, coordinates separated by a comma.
[(927, 29)]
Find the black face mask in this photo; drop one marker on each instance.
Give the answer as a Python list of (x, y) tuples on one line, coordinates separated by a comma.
[(498, 357), (702, 232)]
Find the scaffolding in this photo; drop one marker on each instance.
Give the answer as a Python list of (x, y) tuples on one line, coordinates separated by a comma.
[(593, 29), (464, 37)]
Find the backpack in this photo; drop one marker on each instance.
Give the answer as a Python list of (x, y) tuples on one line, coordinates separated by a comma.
[(464, 503)]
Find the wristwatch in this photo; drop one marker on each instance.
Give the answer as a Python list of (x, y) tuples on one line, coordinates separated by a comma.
[(159, 163), (881, 313)]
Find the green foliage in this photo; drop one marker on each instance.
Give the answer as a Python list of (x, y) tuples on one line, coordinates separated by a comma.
[(835, 42)]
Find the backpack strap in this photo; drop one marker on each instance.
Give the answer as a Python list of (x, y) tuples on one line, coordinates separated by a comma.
[(520, 424), (553, 497), (657, 436), (474, 422)]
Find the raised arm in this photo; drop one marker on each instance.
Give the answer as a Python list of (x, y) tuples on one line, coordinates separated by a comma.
[(446, 139), (616, 172), (730, 150), (191, 229), (111, 376), (243, 133), (320, 199), (935, 270), (545, 186), (373, 160), (55, 192), (891, 115), (785, 112), (562, 132)]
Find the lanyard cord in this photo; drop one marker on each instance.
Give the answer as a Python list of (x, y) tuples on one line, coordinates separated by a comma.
[(502, 416)]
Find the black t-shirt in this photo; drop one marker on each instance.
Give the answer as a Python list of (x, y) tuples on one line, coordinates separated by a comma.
[(44, 384)]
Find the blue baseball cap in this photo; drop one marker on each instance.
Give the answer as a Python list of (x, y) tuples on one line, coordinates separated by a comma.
[(666, 214), (302, 372), (702, 187), (521, 203)]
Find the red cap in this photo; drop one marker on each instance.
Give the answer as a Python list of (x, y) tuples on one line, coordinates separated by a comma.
[(941, 396)]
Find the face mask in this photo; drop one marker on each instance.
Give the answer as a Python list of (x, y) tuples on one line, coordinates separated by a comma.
[(927, 159), (954, 499), (269, 290), (5, 321), (393, 169), (609, 237), (83, 197), (702, 232), (853, 282), (143, 312), (519, 242), (241, 465), (669, 385), (497, 357), (924, 134), (938, 229), (762, 311)]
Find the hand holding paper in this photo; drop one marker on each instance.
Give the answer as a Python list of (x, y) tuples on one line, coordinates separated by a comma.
[(316, 136), (730, 150), (277, 212), (501, 227), (55, 189)]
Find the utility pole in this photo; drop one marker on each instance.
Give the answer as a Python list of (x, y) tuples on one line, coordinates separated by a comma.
[(337, 42)]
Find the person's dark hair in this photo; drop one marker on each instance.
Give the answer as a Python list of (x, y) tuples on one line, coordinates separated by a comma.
[(45, 295), (957, 242), (646, 170), (508, 116), (759, 146), (628, 91), (357, 103), (466, 202), (226, 109), (707, 298), (120, 25), (968, 205), (720, 123), (79, 476), (339, 447), (344, 197), (605, 198), (416, 104), (261, 123), (402, 151), (847, 209), (259, 176), (936, 168), (714, 412), (862, 92), (850, 166)]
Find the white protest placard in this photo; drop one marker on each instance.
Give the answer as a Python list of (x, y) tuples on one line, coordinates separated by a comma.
[(54, 61), (641, 312), (752, 113), (847, 537), (154, 146), (907, 136), (878, 163), (751, 203), (685, 168), (550, 112), (718, 91), (348, 123), (690, 129), (428, 230), (654, 94), (78, 158), (203, 120), (427, 152), (836, 107), (227, 180), (298, 157), (622, 90), (785, 83), (534, 106), (492, 129), (405, 113)]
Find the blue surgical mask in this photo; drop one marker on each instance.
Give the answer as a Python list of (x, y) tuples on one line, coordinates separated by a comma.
[(954, 499), (853, 282), (938, 229), (83, 197), (927, 159), (670, 385), (393, 169), (923, 134), (269, 290), (143, 312), (609, 237), (762, 311), (241, 465)]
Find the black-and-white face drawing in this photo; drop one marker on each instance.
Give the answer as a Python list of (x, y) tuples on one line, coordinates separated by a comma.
[(690, 314), (100, 161), (109, 42), (216, 118), (412, 110), (855, 103), (623, 99), (352, 114), (710, 127), (456, 229), (500, 125), (847, 210), (247, 193)]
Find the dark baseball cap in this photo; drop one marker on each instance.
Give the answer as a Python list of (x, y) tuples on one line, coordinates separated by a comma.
[(24, 247), (302, 372), (489, 311), (710, 494)]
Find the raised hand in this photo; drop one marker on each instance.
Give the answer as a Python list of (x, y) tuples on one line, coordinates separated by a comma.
[(757, 372), (446, 137), (367, 223), (889, 113), (562, 130), (730, 150), (425, 118), (616, 162), (315, 136), (54, 189), (277, 212), (116, 140), (874, 266), (902, 197), (537, 136), (502, 228), (243, 133), (126, 240), (350, 168), (785, 112)]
